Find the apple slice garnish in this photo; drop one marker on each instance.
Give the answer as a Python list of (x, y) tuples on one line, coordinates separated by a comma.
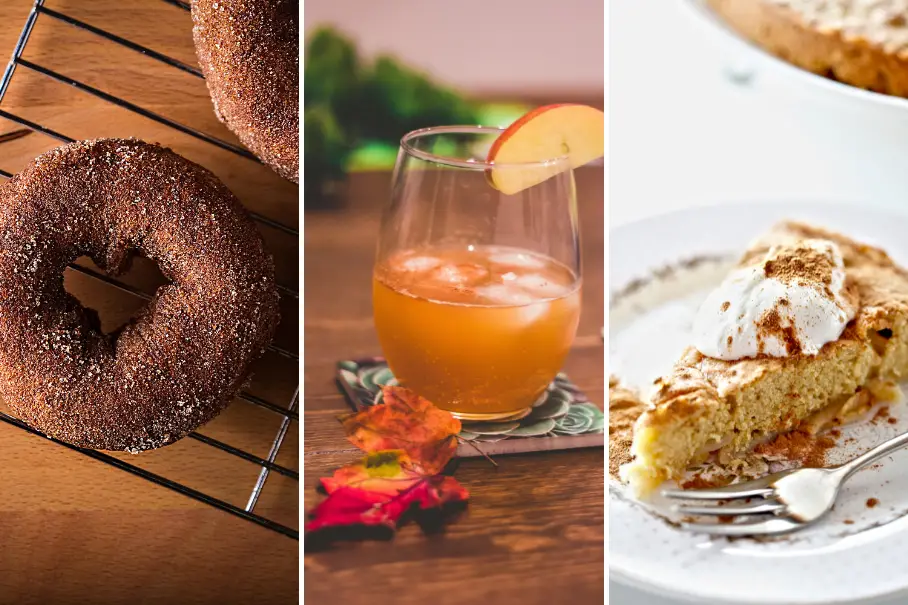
[(552, 131)]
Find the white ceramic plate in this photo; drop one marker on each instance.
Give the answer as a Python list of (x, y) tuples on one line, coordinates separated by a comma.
[(858, 553), (760, 61)]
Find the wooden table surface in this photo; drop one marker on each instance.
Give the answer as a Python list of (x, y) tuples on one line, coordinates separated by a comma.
[(74, 530), (533, 532)]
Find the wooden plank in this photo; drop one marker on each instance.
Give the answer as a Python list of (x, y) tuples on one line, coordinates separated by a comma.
[(533, 533)]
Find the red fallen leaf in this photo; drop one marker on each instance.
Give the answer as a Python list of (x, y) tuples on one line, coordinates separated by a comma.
[(405, 421), (407, 441), (388, 473), (347, 505)]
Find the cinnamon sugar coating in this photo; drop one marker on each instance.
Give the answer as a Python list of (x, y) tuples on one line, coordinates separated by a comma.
[(249, 53), (180, 361)]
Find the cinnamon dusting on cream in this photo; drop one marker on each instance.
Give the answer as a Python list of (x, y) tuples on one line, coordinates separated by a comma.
[(789, 299), (802, 265), (770, 324)]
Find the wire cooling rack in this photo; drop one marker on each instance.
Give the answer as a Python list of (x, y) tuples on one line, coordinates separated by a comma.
[(290, 413)]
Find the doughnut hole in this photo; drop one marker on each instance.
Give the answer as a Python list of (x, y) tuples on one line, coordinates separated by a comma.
[(114, 307)]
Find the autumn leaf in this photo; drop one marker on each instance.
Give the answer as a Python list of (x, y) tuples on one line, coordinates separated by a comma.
[(354, 506), (408, 442), (388, 472), (405, 421)]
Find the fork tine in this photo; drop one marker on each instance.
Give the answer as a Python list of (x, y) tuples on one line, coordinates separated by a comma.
[(748, 489), (766, 527), (754, 508)]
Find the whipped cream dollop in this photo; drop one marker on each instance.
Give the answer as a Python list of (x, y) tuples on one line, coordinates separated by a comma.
[(791, 301)]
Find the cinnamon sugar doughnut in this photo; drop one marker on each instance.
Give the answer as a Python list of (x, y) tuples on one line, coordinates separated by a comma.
[(180, 361), (249, 53)]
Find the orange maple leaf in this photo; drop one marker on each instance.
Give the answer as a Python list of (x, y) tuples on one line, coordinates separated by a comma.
[(408, 442), (408, 422)]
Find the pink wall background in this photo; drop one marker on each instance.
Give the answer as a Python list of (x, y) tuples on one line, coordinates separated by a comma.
[(485, 46)]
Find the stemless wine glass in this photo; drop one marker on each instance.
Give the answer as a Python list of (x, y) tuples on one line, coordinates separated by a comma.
[(476, 293)]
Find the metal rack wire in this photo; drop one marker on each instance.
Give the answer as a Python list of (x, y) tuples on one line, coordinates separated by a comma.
[(290, 413)]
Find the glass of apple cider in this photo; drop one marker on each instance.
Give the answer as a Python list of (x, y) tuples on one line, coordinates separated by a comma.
[(476, 292)]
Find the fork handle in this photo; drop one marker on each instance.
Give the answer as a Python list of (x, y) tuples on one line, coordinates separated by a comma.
[(883, 449)]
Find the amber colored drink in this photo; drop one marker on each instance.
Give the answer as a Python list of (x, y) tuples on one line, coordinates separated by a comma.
[(479, 331)]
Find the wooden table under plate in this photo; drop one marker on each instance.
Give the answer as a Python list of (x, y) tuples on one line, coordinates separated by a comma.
[(533, 531), (75, 530)]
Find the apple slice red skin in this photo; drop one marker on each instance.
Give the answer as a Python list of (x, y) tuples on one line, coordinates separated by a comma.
[(538, 174)]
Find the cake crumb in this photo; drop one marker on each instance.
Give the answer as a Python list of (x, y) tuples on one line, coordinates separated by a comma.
[(872, 502), (881, 414)]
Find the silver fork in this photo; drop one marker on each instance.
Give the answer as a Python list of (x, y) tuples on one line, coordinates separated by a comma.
[(778, 503)]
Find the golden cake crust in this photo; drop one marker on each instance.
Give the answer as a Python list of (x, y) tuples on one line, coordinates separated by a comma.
[(624, 407), (863, 43)]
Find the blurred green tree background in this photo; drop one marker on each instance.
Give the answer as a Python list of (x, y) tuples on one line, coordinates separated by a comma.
[(356, 111)]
